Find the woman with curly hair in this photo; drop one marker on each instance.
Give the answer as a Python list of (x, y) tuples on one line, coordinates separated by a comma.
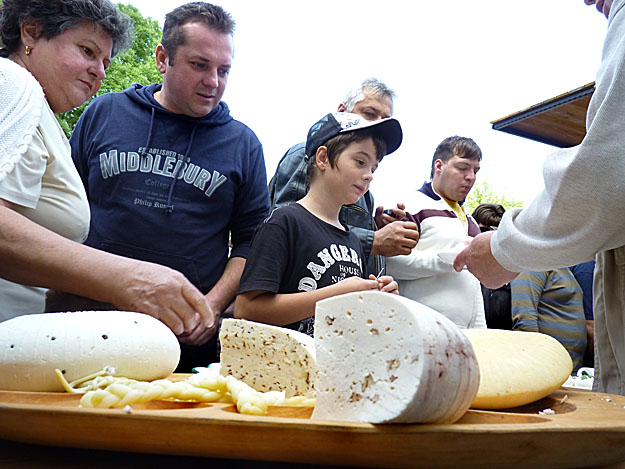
[(53, 57)]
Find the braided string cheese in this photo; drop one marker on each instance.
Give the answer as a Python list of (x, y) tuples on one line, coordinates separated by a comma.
[(120, 394), (247, 400), (301, 401), (105, 391)]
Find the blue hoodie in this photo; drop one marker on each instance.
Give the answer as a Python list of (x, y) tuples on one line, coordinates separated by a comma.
[(169, 188)]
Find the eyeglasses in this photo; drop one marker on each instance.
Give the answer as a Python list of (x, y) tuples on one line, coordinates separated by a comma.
[(483, 228)]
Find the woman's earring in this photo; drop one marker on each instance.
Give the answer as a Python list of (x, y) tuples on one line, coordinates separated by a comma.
[(28, 50)]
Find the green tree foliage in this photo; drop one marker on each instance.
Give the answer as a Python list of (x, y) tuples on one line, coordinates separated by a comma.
[(483, 194), (136, 65)]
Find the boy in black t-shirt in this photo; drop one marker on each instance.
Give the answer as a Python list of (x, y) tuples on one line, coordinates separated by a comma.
[(301, 253)]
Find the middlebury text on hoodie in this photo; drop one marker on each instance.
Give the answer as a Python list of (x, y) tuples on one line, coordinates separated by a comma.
[(168, 188)]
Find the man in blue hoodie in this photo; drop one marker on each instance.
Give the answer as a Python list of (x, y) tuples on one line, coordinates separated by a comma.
[(171, 177)]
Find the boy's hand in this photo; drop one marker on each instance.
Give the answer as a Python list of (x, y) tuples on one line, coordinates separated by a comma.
[(351, 284), (386, 283)]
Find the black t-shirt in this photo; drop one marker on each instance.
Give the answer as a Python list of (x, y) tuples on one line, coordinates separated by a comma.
[(294, 251)]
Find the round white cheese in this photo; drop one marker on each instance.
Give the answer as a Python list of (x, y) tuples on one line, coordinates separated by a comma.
[(135, 345), (385, 358)]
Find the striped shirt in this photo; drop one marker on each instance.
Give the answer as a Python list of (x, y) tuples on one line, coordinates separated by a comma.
[(551, 302)]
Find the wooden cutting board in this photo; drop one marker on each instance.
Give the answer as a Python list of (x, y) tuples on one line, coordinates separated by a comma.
[(587, 429)]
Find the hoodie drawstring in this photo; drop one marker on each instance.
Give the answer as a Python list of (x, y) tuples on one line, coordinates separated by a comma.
[(147, 144), (170, 207)]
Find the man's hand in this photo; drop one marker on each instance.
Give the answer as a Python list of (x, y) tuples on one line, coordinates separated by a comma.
[(395, 239), (382, 219), (479, 259), (167, 295)]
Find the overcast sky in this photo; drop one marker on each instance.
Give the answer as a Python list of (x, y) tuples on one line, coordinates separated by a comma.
[(455, 65)]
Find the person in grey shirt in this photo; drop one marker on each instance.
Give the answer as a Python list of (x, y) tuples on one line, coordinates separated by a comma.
[(579, 214)]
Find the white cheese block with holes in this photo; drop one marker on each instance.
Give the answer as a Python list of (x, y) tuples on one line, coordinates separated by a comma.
[(268, 358), (384, 358), (517, 367), (136, 345)]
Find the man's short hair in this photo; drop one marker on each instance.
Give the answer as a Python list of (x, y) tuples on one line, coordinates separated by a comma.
[(375, 86), (464, 147), (212, 16)]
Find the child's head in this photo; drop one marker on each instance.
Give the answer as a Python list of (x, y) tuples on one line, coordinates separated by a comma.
[(338, 130)]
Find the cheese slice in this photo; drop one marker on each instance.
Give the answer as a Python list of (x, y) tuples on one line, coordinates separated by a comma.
[(134, 345), (268, 358), (385, 358), (517, 367)]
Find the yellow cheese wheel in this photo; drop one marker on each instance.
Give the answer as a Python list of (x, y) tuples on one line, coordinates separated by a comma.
[(517, 367)]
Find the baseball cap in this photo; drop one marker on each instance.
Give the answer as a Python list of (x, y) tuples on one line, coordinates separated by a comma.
[(337, 123)]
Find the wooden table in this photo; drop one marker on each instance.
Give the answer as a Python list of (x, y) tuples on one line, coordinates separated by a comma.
[(587, 429), (27, 456)]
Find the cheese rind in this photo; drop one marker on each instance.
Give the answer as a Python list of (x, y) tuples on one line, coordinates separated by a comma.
[(517, 367), (268, 358), (383, 358), (135, 345)]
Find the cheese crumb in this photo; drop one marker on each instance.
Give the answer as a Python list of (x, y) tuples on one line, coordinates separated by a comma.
[(547, 412)]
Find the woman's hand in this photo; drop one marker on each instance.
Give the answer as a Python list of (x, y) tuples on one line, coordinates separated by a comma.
[(167, 295)]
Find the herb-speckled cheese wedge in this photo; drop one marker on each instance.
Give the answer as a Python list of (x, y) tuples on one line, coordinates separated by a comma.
[(268, 358), (136, 345), (385, 358)]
